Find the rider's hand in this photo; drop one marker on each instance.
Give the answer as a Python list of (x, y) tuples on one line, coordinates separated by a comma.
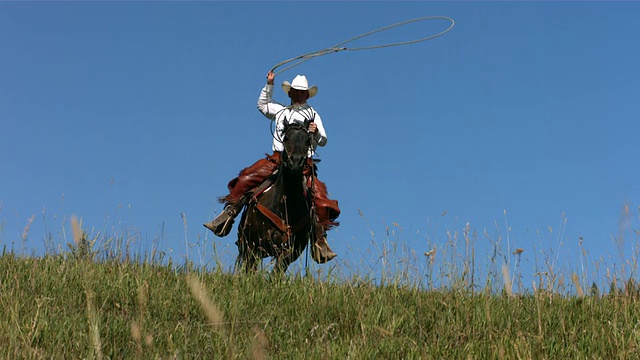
[(270, 77), (313, 128)]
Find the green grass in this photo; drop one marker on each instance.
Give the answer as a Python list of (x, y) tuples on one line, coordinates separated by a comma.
[(88, 303), (61, 307)]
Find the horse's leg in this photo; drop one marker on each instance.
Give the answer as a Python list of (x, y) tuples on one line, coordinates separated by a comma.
[(289, 256), (246, 263), (246, 260), (251, 262), (237, 267), (282, 264), (241, 260)]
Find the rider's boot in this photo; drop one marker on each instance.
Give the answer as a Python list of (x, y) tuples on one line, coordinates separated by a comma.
[(222, 224), (321, 252)]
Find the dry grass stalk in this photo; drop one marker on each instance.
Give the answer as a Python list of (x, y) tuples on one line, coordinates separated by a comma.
[(136, 334), (77, 230), (507, 279), (214, 314), (25, 232), (260, 344), (94, 331), (576, 283)]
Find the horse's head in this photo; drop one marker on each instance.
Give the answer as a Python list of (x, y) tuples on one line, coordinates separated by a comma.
[(296, 142)]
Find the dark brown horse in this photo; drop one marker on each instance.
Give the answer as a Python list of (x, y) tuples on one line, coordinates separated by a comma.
[(278, 221)]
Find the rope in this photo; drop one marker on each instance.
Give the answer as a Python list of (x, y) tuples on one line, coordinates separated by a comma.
[(307, 114), (339, 47)]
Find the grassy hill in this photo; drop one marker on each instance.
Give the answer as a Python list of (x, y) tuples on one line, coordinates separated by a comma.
[(70, 306)]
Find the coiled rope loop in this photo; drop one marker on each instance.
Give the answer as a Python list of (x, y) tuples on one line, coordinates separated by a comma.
[(339, 47)]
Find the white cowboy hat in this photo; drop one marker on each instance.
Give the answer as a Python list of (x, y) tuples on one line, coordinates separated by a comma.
[(299, 83)]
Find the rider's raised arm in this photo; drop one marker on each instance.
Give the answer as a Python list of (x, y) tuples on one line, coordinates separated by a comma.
[(266, 105)]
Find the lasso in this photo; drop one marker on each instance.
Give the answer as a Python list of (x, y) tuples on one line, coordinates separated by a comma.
[(339, 47)]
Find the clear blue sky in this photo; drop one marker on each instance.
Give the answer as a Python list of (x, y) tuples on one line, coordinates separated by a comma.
[(131, 114)]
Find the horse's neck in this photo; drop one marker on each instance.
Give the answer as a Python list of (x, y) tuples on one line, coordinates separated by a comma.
[(284, 185), (289, 188), (292, 184)]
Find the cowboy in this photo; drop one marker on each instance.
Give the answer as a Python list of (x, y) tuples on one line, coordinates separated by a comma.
[(327, 211)]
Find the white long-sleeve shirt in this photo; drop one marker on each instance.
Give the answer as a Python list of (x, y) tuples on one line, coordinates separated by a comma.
[(287, 114)]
